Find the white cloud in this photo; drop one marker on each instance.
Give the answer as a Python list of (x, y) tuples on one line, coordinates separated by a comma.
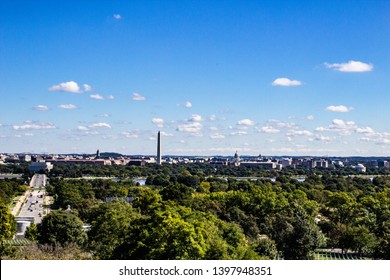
[(110, 97), (87, 87), (188, 104), (351, 66), (130, 134), (34, 126), (117, 16), (82, 128), (213, 128), (70, 86), (340, 109), (282, 124), (213, 118), (138, 97), (246, 122), (268, 129), (100, 125), (96, 97), (322, 138), (41, 108), (24, 135), (104, 115), (366, 129), (196, 118), (239, 133), (195, 127), (166, 134), (340, 126), (67, 106), (285, 82), (158, 121), (310, 117), (299, 133), (217, 136)]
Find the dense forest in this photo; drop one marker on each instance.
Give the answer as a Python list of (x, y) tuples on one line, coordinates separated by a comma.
[(189, 212)]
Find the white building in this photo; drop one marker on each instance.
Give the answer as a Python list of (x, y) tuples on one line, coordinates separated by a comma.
[(360, 168), (38, 166)]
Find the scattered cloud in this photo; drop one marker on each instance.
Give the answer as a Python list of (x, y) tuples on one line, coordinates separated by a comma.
[(213, 128), (195, 127), (110, 97), (196, 118), (366, 129), (70, 86), (322, 138), (166, 134), (351, 66), (281, 124), (285, 82), (213, 118), (138, 97), (246, 122), (130, 134), (96, 96), (40, 108), (100, 125), (67, 106), (188, 104), (104, 115), (158, 121), (340, 109), (117, 16), (217, 136), (34, 126), (376, 137), (87, 87), (299, 133), (268, 129), (340, 126), (82, 128), (239, 133), (310, 117)]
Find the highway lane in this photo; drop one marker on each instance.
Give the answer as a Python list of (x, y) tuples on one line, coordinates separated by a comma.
[(33, 206)]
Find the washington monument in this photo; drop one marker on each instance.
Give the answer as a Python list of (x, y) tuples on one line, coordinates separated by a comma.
[(158, 148)]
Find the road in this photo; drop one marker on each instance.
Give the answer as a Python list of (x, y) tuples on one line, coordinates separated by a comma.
[(33, 206)]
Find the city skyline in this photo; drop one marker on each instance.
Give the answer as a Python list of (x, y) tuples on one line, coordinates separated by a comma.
[(272, 78)]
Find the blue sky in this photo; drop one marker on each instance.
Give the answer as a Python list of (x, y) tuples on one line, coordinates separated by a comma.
[(259, 77)]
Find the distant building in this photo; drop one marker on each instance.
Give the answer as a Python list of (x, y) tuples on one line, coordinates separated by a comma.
[(267, 165), (236, 160), (136, 162), (319, 163), (286, 162), (36, 167), (360, 168), (80, 161), (384, 163)]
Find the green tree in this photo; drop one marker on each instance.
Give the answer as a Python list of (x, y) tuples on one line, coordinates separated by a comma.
[(177, 192), (61, 227), (109, 223), (296, 236), (266, 247), (32, 232), (7, 228), (7, 223)]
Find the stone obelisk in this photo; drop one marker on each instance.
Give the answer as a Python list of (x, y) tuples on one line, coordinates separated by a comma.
[(159, 148)]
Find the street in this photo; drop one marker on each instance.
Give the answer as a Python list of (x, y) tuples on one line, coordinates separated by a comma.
[(33, 206)]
